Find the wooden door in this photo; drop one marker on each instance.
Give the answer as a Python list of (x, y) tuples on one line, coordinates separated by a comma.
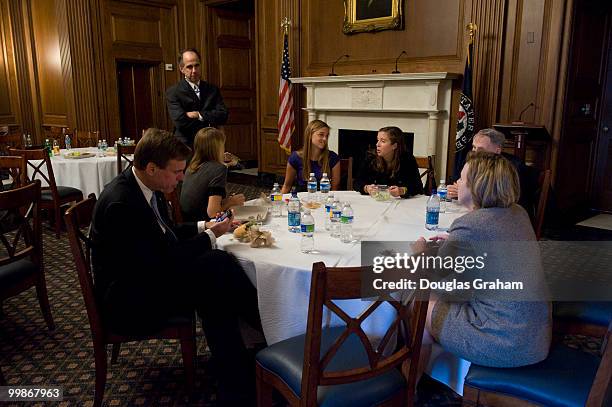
[(602, 191), (135, 82), (231, 66), (586, 80)]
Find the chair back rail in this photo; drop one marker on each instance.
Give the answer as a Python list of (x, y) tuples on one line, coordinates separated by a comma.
[(603, 377), (123, 153), (36, 160), (15, 167), (346, 172), (78, 217), (331, 283), (19, 207), (427, 163), (544, 188)]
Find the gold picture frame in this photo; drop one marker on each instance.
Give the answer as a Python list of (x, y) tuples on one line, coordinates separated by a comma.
[(372, 15)]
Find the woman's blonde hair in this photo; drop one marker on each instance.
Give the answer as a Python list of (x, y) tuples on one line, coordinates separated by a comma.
[(395, 137), (304, 153), (208, 145), (492, 180)]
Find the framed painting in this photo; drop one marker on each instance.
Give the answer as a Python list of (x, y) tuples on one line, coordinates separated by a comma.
[(372, 15)]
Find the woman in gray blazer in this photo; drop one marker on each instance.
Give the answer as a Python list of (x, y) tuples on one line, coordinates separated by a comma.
[(486, 326)]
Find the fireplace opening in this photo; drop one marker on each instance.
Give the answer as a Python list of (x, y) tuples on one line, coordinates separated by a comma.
[(356, 143)]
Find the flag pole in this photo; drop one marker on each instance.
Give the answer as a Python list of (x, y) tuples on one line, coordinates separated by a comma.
[(286, 107)]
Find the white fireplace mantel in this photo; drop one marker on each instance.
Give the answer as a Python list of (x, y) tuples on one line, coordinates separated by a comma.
[(415, 102)]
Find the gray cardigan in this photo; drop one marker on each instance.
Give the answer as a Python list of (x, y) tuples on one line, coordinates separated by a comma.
[(496, 328)]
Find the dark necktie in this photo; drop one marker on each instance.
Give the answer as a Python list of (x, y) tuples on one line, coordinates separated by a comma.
[(160, 219)]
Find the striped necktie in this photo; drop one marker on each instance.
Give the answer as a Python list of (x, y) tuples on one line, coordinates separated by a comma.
[(160, 220)]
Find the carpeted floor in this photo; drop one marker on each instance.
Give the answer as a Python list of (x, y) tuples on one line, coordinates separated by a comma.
[(147, 373)]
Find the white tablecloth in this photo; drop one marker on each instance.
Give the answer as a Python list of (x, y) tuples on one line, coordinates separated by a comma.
[(282, 273), (87, 174)]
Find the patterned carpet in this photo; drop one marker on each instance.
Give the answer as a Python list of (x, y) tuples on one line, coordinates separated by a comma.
[(147, 373)]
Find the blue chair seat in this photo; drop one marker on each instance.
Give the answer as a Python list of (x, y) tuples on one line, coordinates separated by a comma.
[(564, 378), (286, 359), (63, 192), (16, 271), (595, 312)]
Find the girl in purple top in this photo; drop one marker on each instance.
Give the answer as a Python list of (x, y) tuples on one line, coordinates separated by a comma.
[(320, 159)]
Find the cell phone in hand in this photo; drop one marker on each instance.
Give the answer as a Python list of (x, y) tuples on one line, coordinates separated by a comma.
[(227, 214)]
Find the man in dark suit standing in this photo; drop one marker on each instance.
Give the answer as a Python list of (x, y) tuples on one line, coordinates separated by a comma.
[(147, 270), (193, 103)]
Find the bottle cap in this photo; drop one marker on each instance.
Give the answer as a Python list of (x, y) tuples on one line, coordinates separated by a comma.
[(325, 174), (312, 174), (442, 181)]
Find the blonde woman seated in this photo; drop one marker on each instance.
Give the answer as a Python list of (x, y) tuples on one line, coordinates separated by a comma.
[(203, 192), (315, 157), (496, 328)]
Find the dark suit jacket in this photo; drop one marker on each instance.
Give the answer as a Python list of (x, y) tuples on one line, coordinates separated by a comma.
[(134, 262), (181, 98)]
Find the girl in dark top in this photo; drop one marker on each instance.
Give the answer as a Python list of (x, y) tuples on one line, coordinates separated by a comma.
[(391, 166), (319, 159), (203, 192)]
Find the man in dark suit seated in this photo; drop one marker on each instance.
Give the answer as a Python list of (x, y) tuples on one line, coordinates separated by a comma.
[(194, 104), (147, 270), (492, 141)]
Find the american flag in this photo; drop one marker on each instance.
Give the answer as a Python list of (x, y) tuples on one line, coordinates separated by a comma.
[(286, 123)]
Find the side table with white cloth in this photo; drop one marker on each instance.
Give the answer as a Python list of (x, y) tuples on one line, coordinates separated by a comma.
[(282, 272), (89, 174)]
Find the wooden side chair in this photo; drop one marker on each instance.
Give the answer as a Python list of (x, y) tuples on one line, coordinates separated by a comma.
[(78, 217), (9, 138), (346, 173), (339, 365), (15, 168), (429, 175), (124, 153), (543, 190), (53, 197), (84, 138), (567, 377), (21, 236)]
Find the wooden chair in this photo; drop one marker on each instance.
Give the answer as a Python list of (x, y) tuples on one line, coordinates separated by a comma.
[(77, 218), (15, 168), (53, 197), (543, 190), (124, 153), (84, 138), (174, 204), (22, 266), (9, 138), (427, 163), (346, 173), (568, 377), (299, 367)]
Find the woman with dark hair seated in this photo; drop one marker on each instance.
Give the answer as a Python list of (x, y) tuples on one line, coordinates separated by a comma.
[(203, 192), (392, 166), (491, 327), (314, 157)]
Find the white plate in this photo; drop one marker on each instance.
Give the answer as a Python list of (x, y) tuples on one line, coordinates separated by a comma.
[(243, 213)]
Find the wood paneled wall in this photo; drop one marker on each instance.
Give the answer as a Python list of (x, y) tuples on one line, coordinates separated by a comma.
[(517, 55)]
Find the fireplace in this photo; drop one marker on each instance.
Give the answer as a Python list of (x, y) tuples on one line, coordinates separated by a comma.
[(419, 102)]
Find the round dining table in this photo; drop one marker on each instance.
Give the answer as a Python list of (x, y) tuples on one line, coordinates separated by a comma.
[(89, 174), (281, 273)]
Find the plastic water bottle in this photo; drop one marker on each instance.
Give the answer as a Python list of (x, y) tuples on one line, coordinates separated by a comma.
[(67, 141), (293, 213), (276, 198), (442, 193), (29, 140), (433, 211), (104, 146), (328, 213), (324, 186), (346, 223), (307, 226), (336, 211), (100, 151), (312, 187)]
